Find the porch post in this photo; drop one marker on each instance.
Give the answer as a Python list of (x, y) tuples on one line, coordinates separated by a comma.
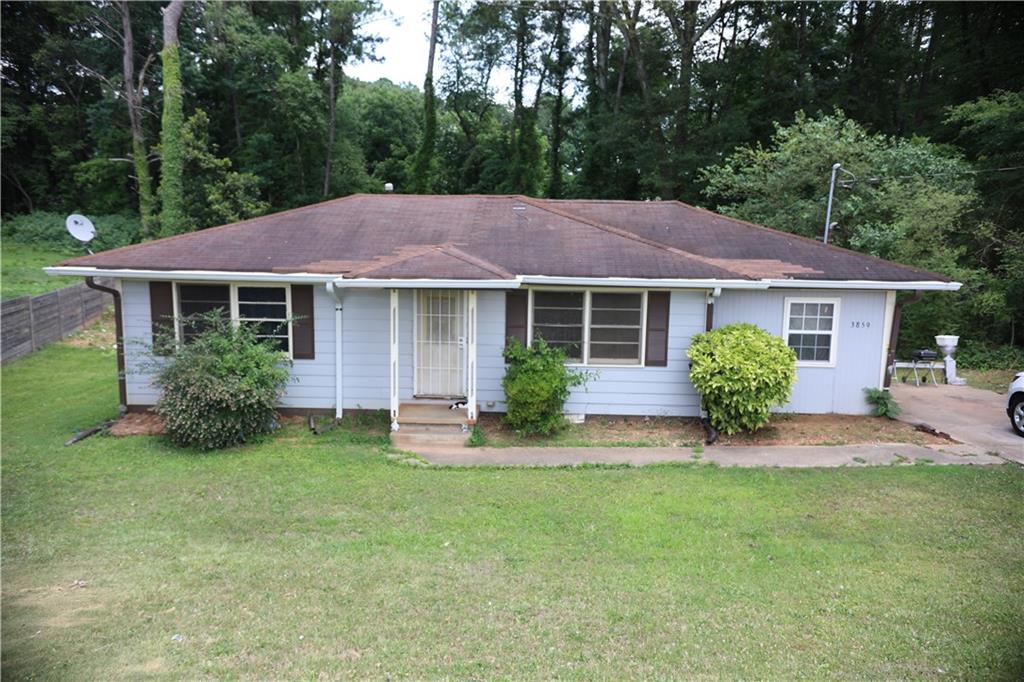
[(471, 406), (394, 359)]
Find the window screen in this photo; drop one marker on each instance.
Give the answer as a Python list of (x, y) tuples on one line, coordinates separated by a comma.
[(615, 324), (810, 328), (267, 309), (198, 299), (558, 319)]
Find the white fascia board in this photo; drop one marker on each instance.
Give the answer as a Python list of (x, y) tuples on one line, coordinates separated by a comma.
[(643, 282), (188, 275), (342, 283), (875, 285)]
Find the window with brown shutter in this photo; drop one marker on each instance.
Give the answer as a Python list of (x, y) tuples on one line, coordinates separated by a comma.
[(161, 315), (302, 322), (657, 328), (516, 303)]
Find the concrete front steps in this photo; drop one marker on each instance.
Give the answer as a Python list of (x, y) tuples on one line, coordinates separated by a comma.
[(430, 425)]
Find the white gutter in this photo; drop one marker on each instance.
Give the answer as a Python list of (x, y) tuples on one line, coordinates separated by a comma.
[(927, 285), (645, 282), (188, 275), (339, 387), (515, 283), (342, 283)]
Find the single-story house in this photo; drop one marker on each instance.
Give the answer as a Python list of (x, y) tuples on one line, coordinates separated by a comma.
[(389, 300)]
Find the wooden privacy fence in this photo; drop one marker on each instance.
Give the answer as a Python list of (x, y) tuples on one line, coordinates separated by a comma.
[(30, 322)]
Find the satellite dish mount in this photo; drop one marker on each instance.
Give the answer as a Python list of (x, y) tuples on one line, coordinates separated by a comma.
[(81, 228)]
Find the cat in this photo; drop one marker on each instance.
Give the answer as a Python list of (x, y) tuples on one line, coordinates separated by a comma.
[(457, 405)]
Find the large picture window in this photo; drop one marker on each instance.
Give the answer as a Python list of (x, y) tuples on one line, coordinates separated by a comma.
[(594, 327), (810, 329), (266, 307)]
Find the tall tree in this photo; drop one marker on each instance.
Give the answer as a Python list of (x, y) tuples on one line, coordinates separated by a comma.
[(133, 100), (172, 156), (559, 71), (423, 171)]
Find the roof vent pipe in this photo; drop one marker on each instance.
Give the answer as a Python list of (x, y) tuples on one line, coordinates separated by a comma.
[(389, 187)]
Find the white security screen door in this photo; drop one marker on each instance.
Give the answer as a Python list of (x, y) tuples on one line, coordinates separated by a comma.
[(441, 343)]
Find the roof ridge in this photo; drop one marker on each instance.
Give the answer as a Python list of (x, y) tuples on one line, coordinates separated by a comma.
[(626, 234), (482, 263), (218, 228), (801, 237), (410, 252)]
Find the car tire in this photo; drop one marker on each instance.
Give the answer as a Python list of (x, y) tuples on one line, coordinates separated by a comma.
[(1017, 414)]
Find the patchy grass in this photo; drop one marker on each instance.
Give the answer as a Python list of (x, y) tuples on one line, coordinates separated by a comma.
[(997, 380), (784, 429), (310, 556), (21, 270)]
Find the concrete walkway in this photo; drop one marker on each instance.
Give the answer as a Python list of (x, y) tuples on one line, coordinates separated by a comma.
[(742, 456), (973, 416)]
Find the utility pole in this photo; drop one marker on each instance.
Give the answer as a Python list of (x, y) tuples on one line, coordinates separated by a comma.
[(831, 192)]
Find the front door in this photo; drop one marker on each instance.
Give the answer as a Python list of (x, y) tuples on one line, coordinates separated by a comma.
[(440, 343)]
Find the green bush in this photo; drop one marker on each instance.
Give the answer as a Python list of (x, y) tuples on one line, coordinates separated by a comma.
[(221, 388), (47, 229), (537, 384), (741, 371), (981, 355), (883, 403)]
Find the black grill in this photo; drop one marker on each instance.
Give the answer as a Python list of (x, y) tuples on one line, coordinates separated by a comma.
[(923, 354)]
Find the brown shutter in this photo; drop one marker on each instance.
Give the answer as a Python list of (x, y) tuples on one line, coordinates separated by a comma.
[(161, 314), (516, 303), (302, 322), (657, 328)]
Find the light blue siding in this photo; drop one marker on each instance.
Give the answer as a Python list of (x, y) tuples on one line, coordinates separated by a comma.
[(859, 355), (313, 380), (650, 391)]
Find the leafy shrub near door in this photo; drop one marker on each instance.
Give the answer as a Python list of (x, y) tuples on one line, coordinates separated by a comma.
[(537, 384), (220, 389), (882, 403), (741, 371)]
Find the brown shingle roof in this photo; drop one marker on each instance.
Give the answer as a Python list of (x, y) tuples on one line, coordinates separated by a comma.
[(498, 237)]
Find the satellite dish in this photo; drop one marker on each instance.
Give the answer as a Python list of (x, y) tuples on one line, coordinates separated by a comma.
[(80, 227)]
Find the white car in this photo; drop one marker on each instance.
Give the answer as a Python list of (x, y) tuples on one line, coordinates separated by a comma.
[(1015, 404)]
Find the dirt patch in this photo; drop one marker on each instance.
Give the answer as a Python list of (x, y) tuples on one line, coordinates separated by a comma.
[(784, 429), (138, 424), (61, 606), (98, 334)]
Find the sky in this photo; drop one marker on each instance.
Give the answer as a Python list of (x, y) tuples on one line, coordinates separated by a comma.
[(406, 39)]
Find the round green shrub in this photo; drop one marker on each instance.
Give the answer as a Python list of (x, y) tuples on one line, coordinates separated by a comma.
[(221, 388), (741, 371), (537, 384)]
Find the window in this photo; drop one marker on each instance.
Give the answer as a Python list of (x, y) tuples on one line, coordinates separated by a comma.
[(616, 321), (810, 327), (558, 319), (266, 307), (199, 299), (598, 328)]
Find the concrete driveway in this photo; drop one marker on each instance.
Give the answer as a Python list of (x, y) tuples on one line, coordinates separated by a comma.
[(973, 416)]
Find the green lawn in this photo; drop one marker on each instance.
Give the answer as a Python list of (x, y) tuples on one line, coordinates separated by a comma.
[(21, 270), (307, 557)]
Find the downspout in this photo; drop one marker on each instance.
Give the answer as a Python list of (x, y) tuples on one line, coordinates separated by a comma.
[(710, 432), (122, 386), (338, 383), (894, 335)]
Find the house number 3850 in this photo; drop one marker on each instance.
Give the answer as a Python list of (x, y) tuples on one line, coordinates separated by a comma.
[(859, 324)]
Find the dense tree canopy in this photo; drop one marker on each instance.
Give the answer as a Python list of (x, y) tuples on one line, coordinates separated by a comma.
[(740, 106)]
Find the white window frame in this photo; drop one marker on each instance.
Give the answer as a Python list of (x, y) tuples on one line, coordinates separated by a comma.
[(587, 293), (833, 333), (233, 304)]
